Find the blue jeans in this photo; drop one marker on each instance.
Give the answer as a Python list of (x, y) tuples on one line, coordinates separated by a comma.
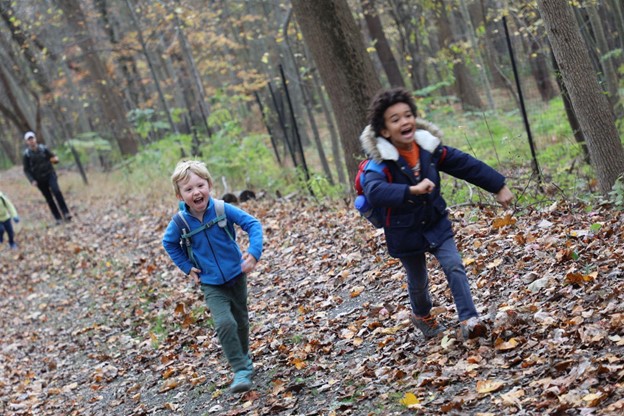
[(8, 227), (228, 307), (418, 280)]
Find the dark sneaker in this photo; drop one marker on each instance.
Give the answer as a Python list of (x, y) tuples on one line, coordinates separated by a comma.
[(473, 328), (242, 381), (427, 325)]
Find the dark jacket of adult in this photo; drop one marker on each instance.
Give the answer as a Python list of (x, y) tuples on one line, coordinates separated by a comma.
[(417, 223), (37, 164)]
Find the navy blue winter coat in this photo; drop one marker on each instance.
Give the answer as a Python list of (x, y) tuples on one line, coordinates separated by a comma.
[(418, 223)]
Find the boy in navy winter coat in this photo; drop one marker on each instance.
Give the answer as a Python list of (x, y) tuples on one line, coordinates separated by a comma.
[(219, 266), (408, 150)]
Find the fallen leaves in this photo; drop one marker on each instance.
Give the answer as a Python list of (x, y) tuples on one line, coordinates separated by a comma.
[(329, 319)]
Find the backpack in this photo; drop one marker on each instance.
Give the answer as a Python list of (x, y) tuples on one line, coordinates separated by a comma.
[(185, 238), (376, 216)]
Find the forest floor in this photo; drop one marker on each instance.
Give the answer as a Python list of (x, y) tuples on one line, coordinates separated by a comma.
[(97, 321)]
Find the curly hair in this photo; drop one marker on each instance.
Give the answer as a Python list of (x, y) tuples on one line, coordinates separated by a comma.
[(383, 100), (183, 170)]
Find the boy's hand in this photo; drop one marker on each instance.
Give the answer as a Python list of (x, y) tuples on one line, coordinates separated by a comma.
[(16, 219), (424, 187), (504, 197), (54, 159), (194, 274), (249, 263)]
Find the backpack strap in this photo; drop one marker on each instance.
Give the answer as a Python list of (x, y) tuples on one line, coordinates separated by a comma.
[(221, 218), (185, 238)]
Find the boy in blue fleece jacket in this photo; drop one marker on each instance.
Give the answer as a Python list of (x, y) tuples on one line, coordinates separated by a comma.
[(408, 150), (219, 266)]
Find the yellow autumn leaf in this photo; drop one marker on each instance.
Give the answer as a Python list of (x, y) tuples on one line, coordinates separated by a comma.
[(489, 386), (507, 345), (356, 291), (410, 400), (468, 261), (502, 222)]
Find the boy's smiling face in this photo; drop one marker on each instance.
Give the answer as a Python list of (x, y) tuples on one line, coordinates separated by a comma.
[(399, 125), (195, 192)]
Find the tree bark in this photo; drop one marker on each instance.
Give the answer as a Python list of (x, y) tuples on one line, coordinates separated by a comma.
[(375, 29), (464, 86), (589, 102), (332, 35), (112, 102)]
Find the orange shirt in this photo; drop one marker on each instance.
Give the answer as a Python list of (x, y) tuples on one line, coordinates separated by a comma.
[(411, 156)]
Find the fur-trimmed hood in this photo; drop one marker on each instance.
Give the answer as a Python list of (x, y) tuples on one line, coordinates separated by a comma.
[(427, 135)]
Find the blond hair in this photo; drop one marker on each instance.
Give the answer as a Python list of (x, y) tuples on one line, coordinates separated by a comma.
[(184, 168)]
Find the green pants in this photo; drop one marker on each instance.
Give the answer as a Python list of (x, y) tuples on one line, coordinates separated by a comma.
[(228, 306)]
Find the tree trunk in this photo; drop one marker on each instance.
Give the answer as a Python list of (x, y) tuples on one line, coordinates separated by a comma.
[(410, 46), (477, 53), (608, 69), (572, 119), (112, 102), (150, 64), (331, 33), (590, 104), (375, 29), (464, 86)]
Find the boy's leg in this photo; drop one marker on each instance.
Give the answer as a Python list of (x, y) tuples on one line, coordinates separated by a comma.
[(8, 226), (240, 311), (219, 300), (2, 230), (45, 190), (418, 284), (56, 191), (453, 267)]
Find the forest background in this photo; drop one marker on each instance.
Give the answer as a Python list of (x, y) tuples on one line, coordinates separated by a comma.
[(101, 322), (113, 85)]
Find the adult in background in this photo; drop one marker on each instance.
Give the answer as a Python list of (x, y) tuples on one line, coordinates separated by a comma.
[(38, 166)]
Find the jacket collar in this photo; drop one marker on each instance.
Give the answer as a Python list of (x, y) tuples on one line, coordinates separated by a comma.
[(427, 136)]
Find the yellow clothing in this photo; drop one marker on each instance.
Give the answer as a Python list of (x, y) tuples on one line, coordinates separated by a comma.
[(7, 210)]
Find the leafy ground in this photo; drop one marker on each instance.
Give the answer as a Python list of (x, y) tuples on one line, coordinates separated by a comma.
[(97, 321)]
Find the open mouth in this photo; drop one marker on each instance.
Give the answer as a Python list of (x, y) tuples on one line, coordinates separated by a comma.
[(407, 131)]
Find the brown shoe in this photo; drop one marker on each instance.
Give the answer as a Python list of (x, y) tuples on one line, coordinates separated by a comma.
[(427, 325), (473, 328)]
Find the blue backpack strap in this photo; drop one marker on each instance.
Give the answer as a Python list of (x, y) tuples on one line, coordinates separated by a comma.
[(377, 167)]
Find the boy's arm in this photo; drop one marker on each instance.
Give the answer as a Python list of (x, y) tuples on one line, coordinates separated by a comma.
[(251, 225), (463, 166), (381, 193), (171, 243)]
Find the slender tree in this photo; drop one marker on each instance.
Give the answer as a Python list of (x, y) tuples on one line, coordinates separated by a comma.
[(112, 102), (382, 46)]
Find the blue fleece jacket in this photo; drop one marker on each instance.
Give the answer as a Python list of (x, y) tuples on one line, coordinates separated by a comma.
[(219, 258)]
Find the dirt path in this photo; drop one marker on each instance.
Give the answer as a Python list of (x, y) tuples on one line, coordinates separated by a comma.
[(96, 320)]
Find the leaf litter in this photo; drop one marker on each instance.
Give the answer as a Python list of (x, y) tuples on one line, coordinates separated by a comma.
[(97, 321)]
